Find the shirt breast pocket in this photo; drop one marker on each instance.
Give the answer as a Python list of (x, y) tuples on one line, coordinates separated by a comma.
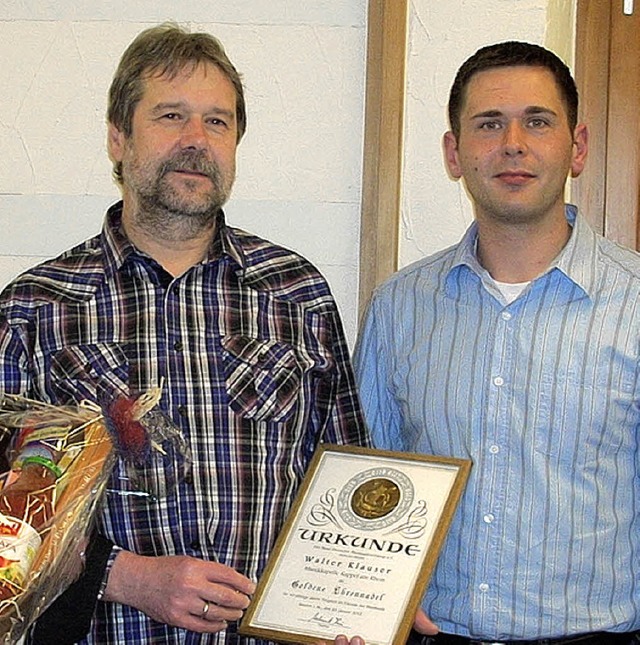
[(263, 377), (94, 372)]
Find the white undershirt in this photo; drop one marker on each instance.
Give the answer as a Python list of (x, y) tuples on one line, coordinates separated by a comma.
[(511, 290)]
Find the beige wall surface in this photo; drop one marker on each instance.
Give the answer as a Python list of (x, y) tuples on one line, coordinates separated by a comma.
[(299, 170), (300, 164), (435, 210)]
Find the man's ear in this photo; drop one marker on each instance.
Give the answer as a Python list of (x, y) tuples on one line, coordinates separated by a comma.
[(115, 142), (451, 157), (580, 149)]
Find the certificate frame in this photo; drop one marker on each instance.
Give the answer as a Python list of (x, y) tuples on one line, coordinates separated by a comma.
[(358, 547)]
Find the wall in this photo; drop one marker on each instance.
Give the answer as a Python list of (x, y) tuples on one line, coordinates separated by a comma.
[(300, 163), (435, 209)]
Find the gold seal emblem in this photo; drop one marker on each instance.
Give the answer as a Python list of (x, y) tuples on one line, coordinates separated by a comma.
[(375, 498)]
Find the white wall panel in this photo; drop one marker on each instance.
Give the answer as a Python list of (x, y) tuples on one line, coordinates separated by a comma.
[(300, 163), (435, 209)]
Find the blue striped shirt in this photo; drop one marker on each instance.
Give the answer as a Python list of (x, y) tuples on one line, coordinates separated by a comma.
[(543, 395), (256, 374)]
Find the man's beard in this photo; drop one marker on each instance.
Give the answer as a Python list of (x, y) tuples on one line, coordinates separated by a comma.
[(183, 213)]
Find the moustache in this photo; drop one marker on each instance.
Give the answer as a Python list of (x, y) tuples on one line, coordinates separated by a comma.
[(191, 161)]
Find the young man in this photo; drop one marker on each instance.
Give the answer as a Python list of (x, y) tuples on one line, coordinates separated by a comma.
[(245, 336), (518, 348)]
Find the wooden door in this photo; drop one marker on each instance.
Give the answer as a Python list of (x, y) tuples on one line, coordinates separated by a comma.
[(608, 77)]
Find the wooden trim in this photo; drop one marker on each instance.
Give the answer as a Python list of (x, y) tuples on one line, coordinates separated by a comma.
[(593, 24), (383, 143), (608, 77), (623, 140)]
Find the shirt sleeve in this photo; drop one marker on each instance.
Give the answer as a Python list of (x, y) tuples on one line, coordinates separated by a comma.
[(373, 368), (14, 359), (346, 424), (70, 615)]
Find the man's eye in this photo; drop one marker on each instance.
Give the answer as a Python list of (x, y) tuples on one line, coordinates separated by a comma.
[(490, 125), (171, 116), (538, 123)]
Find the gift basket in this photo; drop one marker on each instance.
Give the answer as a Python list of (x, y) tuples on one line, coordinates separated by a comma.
[(59, 460)]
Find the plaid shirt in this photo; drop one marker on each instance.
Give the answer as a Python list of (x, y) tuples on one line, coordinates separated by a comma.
[(256, 374)]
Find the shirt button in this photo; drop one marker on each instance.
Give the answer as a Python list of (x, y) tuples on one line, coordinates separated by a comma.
[(178, 346), (488, 518), (498, 380), (484, 587), (494, 450), (506, 315), (182, 410)]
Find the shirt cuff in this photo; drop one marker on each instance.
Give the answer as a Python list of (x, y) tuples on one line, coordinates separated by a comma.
[(115, 550)]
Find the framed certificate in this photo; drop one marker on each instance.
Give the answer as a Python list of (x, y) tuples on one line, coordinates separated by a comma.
[(358, 547)]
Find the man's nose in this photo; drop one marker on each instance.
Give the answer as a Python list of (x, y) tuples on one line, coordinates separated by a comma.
[(515, 140), (194, 134)]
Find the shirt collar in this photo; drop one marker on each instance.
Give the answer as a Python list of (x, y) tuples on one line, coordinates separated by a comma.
[(118, 248), (577, 260)]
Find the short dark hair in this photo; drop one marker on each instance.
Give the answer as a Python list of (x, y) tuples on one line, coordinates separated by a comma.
[(165, 49), (512, 54)]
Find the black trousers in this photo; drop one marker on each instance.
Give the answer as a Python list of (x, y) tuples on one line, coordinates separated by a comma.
[(595, 638)]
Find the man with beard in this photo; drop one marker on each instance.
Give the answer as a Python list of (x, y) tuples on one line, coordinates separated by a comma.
[(519, 349), (244, 335)]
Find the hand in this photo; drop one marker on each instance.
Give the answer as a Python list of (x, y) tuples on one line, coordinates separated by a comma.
[(179, 590), (343, 640), (423, 625)]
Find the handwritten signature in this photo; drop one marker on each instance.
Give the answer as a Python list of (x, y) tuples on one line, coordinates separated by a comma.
[(326, 620)]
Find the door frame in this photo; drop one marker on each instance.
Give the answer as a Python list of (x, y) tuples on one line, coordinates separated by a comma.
[(383, 143), (608, 78)]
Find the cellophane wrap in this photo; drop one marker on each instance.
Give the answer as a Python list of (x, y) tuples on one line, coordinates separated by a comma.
[(84, 453), (153, 454)]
